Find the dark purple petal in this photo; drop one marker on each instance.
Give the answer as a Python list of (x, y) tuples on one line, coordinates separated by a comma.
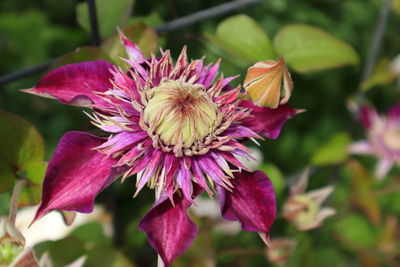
[(76, 83), (394, 112), (266, 121), (169, 229), (76, 174), (367, 114), (251, 202)]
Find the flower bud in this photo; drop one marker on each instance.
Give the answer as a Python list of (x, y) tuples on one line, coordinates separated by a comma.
[(11, 241), (180, 114), (281, 250), (263, 83), (304, 209)]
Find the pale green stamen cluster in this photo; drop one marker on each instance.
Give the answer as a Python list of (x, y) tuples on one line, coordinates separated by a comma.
[(182, 115)]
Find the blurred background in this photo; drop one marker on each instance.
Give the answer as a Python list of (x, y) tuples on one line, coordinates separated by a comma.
[(327, 45)]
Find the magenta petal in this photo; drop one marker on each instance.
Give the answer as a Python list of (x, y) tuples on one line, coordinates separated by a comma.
[(394, 112), (75, 175), (266, 121), (133, 51), (251, 202), (76, 83), (367, 115), (169, 229)]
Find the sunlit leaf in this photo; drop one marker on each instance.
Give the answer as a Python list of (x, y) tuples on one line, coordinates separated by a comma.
[(109, 15), (381, 75), (21, 144), (275, 175), (332, 152), (396, 6), (81, 54), (31, 194), (243, 37), (144, 36), (308, 48), (355, 231)]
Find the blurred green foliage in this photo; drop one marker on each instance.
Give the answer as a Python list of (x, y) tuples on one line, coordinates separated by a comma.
[(337, 34)]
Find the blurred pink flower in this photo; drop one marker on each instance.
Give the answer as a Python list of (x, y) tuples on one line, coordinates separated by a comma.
[(383, 138), (177, 127), (304, 209)]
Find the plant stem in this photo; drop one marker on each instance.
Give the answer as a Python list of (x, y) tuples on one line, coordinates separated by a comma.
[(94, 25), (20, 184)]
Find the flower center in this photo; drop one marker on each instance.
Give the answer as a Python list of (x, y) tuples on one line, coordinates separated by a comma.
[(182, 115), (392, 138)]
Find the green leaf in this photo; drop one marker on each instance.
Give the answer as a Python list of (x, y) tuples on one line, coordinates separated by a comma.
[(200, 253), (276, 177), (152, 20), (324, 257), (109, 15), (63, 251), (32, 193), (243, 37), (396, 6), (381, 75), (106, 256), (363, 191), (7, 177), (81, 54), (308, 48), (20, 144), (355, 231), (91, 233), (332, 152), (144, 36)]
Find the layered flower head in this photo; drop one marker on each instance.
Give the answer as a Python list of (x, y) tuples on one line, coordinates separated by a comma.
[(178, 127), (383, 138)]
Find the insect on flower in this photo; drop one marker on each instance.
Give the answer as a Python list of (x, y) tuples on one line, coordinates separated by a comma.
[(177, 127)]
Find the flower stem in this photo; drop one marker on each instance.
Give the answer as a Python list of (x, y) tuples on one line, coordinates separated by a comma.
[(14, 200)]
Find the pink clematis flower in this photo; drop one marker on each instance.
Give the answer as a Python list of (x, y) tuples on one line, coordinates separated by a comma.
[(383, 138), (177, 127)]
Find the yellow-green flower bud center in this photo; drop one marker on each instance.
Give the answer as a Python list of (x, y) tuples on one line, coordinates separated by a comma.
[(181, 114)]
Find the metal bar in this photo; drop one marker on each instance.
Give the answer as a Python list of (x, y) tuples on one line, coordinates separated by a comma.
[(14, 76), (204, 14), (167, 27), (374, 49), (94, 26)]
